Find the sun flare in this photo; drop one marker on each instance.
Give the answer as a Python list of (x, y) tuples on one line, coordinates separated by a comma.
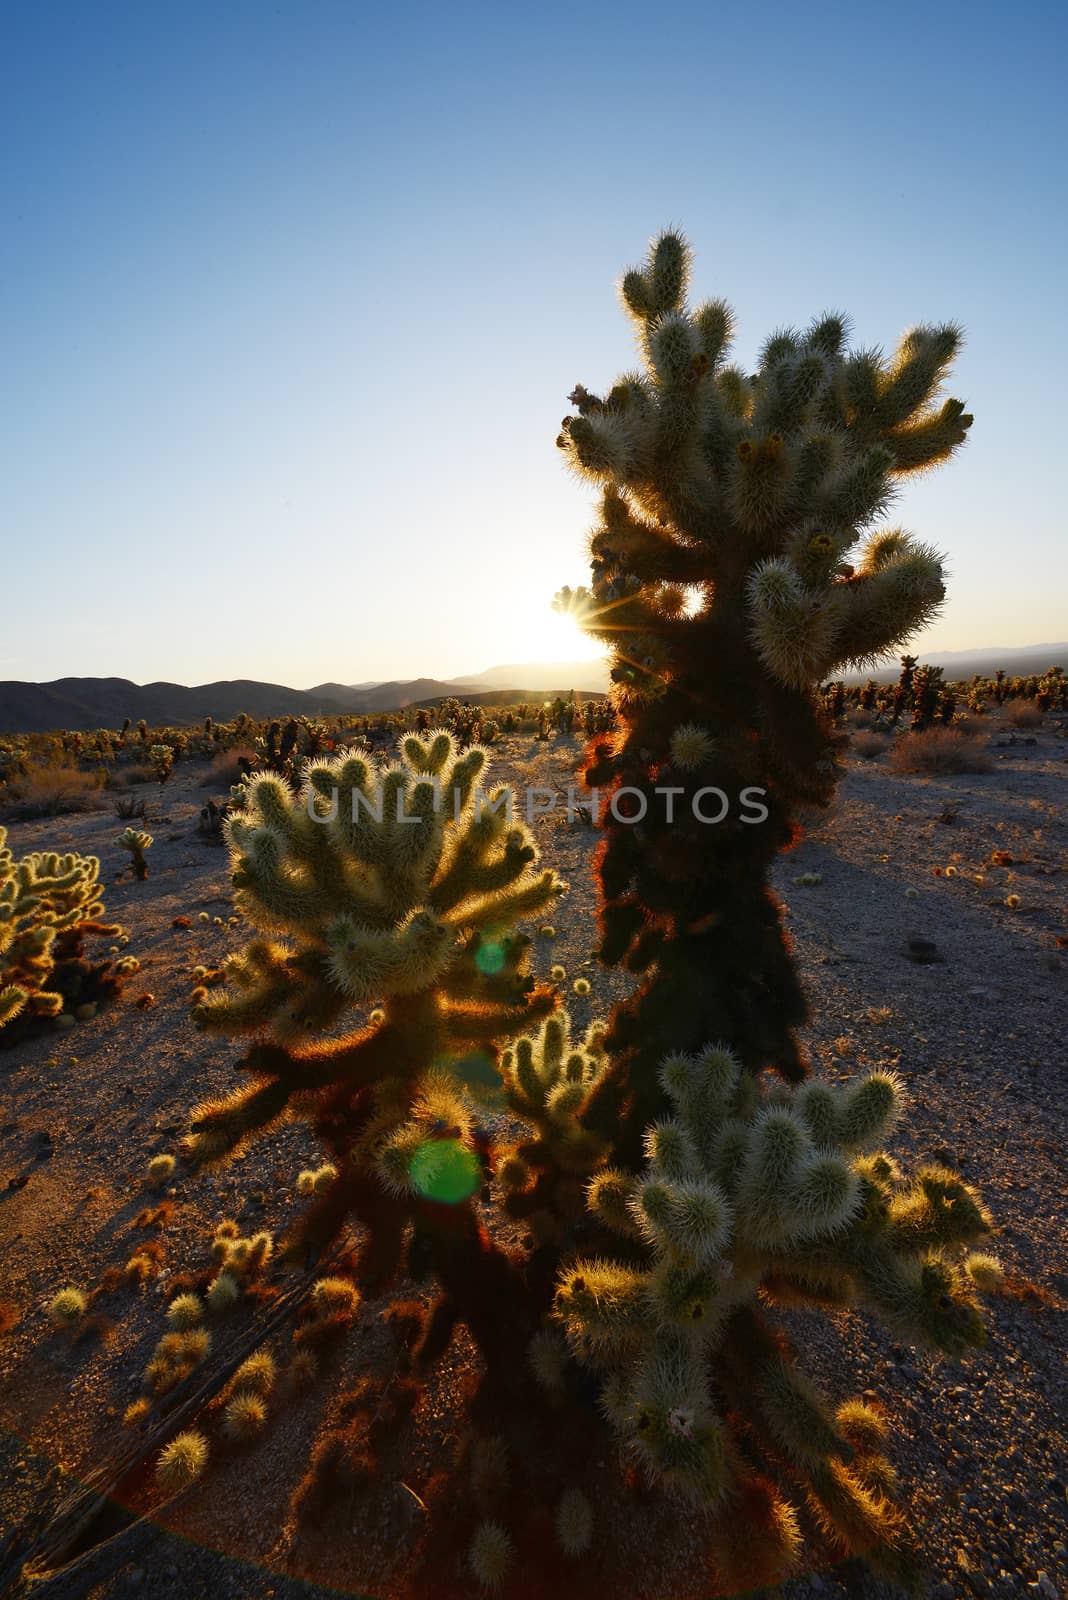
[(542, 634)]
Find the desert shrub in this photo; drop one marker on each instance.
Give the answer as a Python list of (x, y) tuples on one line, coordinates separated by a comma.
[(868, 745), (130, 807), (941, 752), (131, 777), (1023, 714), (225, 769), (47, 791)]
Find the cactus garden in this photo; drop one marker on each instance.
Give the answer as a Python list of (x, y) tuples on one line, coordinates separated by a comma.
[(603, 1144)]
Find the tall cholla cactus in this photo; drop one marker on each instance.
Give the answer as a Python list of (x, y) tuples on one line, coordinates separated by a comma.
[(44, 898), (754, 1193), (396, 886), (727, 586)]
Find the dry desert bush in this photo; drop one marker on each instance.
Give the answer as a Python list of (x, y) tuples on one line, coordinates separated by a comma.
[(1023, 714), (225, 769), (130, 777), (940, 751), (869, 745), (44, 791)]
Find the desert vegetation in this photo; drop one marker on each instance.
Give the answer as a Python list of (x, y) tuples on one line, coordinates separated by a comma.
[(592, 1255)]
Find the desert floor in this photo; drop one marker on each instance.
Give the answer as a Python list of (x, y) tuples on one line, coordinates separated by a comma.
[(978, 1036)]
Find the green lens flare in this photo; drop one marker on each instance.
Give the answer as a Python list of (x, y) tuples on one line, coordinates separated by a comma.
[(490, 958), (444, 1170), (476, 1074)]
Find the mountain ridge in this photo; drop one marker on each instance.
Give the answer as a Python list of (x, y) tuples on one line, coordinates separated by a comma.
[(84, 704)]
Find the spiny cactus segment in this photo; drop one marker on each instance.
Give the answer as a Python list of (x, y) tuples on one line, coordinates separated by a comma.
[(48, 904), (755, 1194)]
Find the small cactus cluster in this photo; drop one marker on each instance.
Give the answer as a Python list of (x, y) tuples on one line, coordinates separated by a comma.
[(241, 1257), (48, 904), (316, 1180), (547, 1078), (178, 1353), (244, 1414), (756, 1194)]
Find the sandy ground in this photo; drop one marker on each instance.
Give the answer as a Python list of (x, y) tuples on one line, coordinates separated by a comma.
[(978, 1036)]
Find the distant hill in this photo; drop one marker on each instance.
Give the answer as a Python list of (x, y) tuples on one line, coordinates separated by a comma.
[(84, 704), (589, 676), (1014, 660), (88, 703), (359, 698)]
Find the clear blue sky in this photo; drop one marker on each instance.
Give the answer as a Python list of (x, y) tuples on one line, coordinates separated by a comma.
[(293, 295)]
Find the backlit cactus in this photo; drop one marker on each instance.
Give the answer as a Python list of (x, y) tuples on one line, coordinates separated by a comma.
[(48, 904), (162, 759), (735, 566), (136, 841), (547, 1077), (395, 886), (727, 586), (755, 1193)]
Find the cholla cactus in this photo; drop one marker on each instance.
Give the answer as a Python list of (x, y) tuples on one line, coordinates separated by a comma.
[(547, 1078), (390, 883), (727, 585), (136, 841), (395, 886), (48, 903), (162, 759), (755, 1194)]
